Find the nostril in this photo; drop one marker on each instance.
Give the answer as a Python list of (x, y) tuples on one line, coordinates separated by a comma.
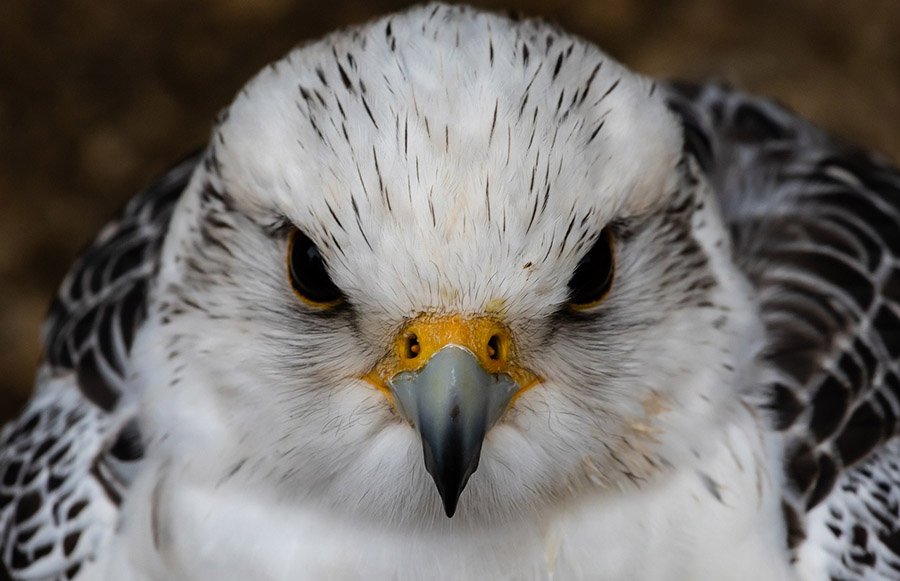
[(412, 346), (494, 347)]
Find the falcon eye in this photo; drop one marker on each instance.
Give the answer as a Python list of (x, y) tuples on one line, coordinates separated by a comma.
[(309, 277), (594, 274)]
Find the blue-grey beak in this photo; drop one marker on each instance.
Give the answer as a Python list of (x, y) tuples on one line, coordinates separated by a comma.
[(453, 402)]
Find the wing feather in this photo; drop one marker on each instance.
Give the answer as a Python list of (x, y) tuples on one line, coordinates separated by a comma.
[(67, 460), (816, 228)]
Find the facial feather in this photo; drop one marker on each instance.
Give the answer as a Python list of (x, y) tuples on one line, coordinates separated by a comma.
[(450, 161)]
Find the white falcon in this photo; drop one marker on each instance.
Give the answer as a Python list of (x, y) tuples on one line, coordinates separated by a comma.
[(457, 296)]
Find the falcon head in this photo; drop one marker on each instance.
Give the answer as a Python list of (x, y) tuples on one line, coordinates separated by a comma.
[(441, 242)]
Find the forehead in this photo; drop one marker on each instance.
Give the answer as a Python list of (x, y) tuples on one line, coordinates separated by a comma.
[(450, 145)]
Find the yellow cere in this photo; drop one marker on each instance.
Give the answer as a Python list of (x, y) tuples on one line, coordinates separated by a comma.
[(487, 338)]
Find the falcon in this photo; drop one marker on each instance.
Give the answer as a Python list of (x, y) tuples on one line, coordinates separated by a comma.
[(454, 295)]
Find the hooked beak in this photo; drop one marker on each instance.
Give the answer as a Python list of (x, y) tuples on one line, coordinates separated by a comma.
[(452, 379), (453, 402)]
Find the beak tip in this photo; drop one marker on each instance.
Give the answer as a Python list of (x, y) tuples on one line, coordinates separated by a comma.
[(450, 478), (450, 508), (449, 505), (450, 497)]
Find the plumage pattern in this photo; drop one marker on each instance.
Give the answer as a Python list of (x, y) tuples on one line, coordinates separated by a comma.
[(816, 223), (813, 224), (66, 462)]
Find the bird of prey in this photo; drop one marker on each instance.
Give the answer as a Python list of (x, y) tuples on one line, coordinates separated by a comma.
[(454, 295)]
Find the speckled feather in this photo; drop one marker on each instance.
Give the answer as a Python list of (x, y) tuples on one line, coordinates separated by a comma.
[(66, 462), (813, 224)]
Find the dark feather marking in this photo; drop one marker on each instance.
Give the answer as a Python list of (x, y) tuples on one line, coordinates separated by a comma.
[(321, 74), (608, 91), (493, 121), (533, 77), (533, 128), (312, 122), (533, 214), (369, 112), (557, 66), (861, 434), (362, 182), (534, 171), (589, 83), (106, 326), (711, 486), (829, 407), (106, 483), (562, 94), (218, 222), (93, 385), (487, 196), (334, 215), (596, 130), (231, 472), (337, 244), (586, 217), (549, 247), (155, 529), (343, 114), (827, 475), (522, 106), (211, 240), (565, 239), (359, 220), (546, 197), (795, 531), (406, 136), (320, 98), (381, 187), (344, 78)]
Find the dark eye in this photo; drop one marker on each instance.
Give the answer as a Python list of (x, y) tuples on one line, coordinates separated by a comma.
[(308, 274), (594, 275)]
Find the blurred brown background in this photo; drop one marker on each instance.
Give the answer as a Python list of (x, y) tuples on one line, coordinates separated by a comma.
[(98, 96)]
